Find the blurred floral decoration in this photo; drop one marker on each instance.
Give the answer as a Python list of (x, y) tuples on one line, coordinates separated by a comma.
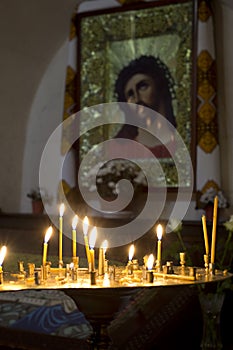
[(206, 197), (108, 175), (39, 194)]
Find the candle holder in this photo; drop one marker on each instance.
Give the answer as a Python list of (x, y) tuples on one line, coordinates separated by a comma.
[(75, 260), (135, 264), (31, 269), (37, 276), (73, 271), (93, 277), (45, 271), (21, 267), (182, 262), (112, 272), (192, 271), (212, 268), (206, 261), (158, 265), (149, 276), (1, 276), (130, 267), (170, 269)]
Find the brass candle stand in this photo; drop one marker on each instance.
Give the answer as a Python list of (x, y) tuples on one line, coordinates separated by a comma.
[(129, 267), (150, 276), (93, 277), (1, 275), (182, 262), (158, 266), (206, 263)]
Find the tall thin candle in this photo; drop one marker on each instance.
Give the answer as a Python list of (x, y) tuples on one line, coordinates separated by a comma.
[(205, 234), (46, 239), (214, 228), (85, 231), (159, 243), (61, 212), (93, 235), (74, 234)]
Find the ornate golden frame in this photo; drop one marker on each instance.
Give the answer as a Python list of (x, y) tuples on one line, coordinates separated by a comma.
[(109, 39)]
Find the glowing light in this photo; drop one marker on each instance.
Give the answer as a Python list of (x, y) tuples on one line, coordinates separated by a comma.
[(131, 252)]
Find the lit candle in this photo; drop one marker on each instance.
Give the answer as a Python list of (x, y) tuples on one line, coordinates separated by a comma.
[(61, 213), (150, 262), (74, 225), (131, 252), (93, 235), (85, 231), (159, 236), (205, 234), (213, 243), (46, 239), (2, 256)]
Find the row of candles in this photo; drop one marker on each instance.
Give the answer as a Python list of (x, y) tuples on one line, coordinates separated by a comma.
[(89, 244)]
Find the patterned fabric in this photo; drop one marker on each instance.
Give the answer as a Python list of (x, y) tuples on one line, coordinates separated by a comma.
[(208, 169), (44, 311)]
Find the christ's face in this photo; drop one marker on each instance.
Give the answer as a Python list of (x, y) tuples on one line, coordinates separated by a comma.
[(141, 90)]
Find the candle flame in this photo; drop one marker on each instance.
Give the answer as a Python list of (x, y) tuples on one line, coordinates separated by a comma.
[(159, 231), (62, 209), (131, 252), (48, 234), (75, 222), (2, 254), (150, 261), (85, 225), (105, 245), (93, 235)]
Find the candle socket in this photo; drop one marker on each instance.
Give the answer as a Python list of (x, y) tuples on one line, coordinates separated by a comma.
[(158, 265), (21, 267), (45, 271), (130, 268), (75, 260), (212, 268), (31, 269), (1, 277), (37, 276), (182, 259), (149, 276), (192, 271), (60, 264), (168, 268), (93, 277), (112, 272), (206, 261)]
